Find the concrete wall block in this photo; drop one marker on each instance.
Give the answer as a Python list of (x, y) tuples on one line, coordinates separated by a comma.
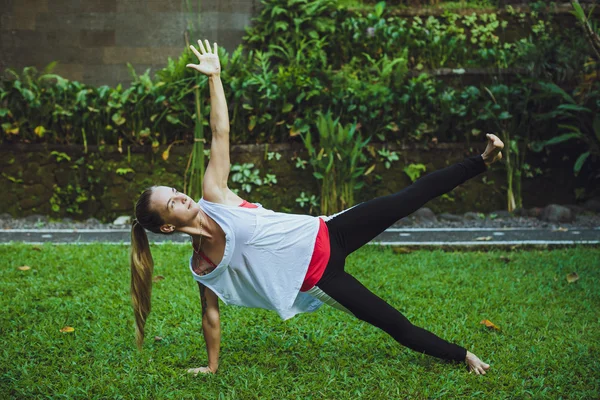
[(75, 21), (61, 38), (21, 39), (160, 29), (234, 20), (42, 55), (23, 19), (30, 6), (103, 6), (140, 55), (6, 6), (168, 5), (91, 38), (230, 39), (237, 6), (73, 72)]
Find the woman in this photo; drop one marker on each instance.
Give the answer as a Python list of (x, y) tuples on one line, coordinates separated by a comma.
[(250, 256)]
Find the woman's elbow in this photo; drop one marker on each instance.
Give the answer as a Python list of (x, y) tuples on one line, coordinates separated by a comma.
[(211, 318), (220, 129)]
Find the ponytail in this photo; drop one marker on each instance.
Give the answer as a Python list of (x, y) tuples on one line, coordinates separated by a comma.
[(142, 268)]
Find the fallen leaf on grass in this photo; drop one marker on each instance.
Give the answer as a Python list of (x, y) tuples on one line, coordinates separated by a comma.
[(157, 338), (24, 268), (35, 248), (158, 278), (401, 250), (486, 238), (489, 324), (572, 277), (67, 329)]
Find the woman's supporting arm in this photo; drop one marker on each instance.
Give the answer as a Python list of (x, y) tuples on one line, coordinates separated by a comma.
[(211, 328)]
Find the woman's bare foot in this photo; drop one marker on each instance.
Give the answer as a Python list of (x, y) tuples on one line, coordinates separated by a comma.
[(475, 364), (493, 150)]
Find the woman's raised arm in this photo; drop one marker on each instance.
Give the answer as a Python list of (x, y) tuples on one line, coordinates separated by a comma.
[(217, 173)]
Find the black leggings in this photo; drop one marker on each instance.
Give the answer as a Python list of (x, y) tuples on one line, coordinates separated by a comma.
[(358, 225)]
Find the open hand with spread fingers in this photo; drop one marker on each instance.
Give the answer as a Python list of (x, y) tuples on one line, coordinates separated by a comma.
[(208, 59)]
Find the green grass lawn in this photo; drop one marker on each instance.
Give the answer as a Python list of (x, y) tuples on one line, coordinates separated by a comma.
[(548, 345)]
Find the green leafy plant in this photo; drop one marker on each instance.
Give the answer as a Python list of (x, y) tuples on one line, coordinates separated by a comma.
[(338, 162), (578, 123), (308, 200), (388, 157), (60, 156), (414, 171), (124, 171)]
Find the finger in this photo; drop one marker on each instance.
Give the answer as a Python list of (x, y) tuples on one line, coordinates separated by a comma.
[(193, 66), (207, 45), (216, 48), (201, 46), (195, 51)]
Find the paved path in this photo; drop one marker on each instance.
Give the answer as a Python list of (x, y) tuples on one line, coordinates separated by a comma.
[(411, 237)]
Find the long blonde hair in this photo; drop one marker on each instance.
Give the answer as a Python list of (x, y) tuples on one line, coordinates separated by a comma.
[(142, 264)]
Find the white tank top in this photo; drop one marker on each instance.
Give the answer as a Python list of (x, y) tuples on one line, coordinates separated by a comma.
[(266, 257)]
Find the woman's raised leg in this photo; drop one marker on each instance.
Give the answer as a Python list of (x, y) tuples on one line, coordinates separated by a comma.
[(362, 223)]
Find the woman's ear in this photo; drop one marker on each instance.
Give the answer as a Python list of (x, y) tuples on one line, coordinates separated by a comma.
[(167, 228)]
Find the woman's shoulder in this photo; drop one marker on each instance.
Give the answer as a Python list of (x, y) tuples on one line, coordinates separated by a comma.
[(224, 197)]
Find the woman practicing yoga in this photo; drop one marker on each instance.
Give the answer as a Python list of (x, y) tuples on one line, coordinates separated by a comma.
[(247, 255)]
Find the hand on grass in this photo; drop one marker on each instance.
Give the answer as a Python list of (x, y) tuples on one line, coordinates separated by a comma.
[(208, 59), (201, 370), (475, 364)]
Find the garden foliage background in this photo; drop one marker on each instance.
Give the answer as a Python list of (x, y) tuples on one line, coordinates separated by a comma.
[(397, 80)]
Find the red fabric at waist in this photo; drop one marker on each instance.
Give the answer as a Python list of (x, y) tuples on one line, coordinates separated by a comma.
[(319, 259), (246, 204)]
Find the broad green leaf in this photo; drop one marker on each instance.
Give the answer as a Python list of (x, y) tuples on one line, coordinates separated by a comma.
[(563, 138), (580, 161), (578, 11), (173, 119), (553, 88), (252, 123), (538, 146), (39, 131), (573, 107), (379, 9), (504, 115), (118, 119)]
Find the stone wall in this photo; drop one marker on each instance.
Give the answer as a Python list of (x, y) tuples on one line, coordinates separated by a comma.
[(93, 40), (61, 181)]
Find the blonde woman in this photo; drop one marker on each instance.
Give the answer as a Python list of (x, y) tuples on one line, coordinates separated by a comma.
[(247, 255)]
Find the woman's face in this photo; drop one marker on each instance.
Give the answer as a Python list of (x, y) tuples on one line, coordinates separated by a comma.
[(176, 209)]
